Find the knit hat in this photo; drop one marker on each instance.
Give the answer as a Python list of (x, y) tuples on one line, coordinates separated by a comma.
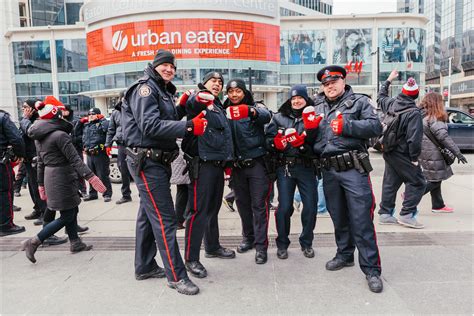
[(236, 83), (212, 74), (47, 111), (298, 90), (164, 56), (94, 111), (30, 103), (53, 101), (410, 88)]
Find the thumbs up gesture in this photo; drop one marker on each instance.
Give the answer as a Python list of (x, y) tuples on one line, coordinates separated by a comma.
[(310, 119), (337, 124), (199, 124)]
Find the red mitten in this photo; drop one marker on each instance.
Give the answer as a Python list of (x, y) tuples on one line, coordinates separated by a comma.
[(280, 141), (337, 124), (100, 116), (199, 124), (293, 138), (310, 120), (237, 112), (108, 151), (42, 193), (205, 98), (84, 120), (184, 98), (97, 184), (227, 173)]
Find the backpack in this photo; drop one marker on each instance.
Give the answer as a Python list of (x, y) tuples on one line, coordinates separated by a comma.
[(389, 138)]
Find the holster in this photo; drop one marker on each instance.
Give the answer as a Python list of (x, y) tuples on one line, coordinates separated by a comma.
[(317, 167), (271, 164), (137, 157), (192, 166)]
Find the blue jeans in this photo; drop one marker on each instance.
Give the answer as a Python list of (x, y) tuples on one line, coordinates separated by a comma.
[(67, 219), (321, 199)]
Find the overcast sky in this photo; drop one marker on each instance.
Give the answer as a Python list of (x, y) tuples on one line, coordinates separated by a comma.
[(364, 6)]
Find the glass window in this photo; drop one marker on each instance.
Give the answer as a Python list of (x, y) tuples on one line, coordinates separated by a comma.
[(71, 55), (32, 57), (185, 76), (352, 45), (50, 12), (303, 47), (72, 12)]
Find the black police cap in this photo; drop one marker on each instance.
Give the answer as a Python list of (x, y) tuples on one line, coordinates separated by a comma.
[(330, 73)]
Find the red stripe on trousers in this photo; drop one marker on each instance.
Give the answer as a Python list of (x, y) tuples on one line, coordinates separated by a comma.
[(192, 220), (161, 223), (372, 208), (267, 203)]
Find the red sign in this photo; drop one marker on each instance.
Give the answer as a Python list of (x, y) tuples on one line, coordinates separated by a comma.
[(356, 67), (186, 38)]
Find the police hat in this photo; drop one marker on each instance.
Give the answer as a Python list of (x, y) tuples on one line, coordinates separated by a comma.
[(94, 111), (331, 73), (212, 74)]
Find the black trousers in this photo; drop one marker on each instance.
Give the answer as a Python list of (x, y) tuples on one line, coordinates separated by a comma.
[(156, 222), (182, 202), (39, 204), (252, 195), (434, 188), (399, 170), (351, 203), (205, 196), (122, 165), (6, 196), (100, 166)]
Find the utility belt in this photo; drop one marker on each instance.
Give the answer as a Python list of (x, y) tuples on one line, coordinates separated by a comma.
[(96, 150), (358, 160), (216, 163), (7, 155), (292, 161), (139, 154), (246, 163)]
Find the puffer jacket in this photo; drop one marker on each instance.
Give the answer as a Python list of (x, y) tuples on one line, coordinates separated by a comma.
[(434, 167)]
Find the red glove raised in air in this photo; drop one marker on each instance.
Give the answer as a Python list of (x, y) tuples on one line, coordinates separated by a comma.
[(293, 138), (97, 184), (184, 98), (237, 112), (84, 120), (310, 119), (337, 124), (42, 193), (205, 98), (199, 124), (280, 141)]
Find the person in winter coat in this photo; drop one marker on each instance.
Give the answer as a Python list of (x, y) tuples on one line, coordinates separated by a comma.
[(58, 164), (180, 178), (434, 166), (401, 163)]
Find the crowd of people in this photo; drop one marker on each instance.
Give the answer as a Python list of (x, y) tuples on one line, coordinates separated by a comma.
[(311, 144)]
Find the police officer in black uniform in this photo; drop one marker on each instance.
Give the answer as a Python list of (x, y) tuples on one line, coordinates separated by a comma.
[(150, 127), (251, 183), (114, 134), (349, 121), (291, 137), (207, 157), (11, 146), (93, 140)]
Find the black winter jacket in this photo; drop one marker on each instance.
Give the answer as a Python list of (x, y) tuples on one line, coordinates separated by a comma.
[(248, 134), (10, 135), (149, 117), (95, 133), (59, 164), (114, 133), (410, 128), (360, 123), (25, 124)]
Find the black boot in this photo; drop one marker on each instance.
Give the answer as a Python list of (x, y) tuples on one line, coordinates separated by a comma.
[(77, 246), (196, 269), (30, 246), (82, 229), (184, 286), (261, 256), (33, 215), (375, 283)]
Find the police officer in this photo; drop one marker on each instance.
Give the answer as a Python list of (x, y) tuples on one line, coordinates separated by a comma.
[(401, 163), (150, 128), (30, 115), (11, 145), (290, 135), (207, 158), (250, 181), (114, 134), (349, 121), (93, 140)]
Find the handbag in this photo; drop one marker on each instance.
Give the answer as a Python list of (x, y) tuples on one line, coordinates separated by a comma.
[(447, 154)]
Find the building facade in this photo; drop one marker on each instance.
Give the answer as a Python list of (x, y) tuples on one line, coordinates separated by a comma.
[(87, 53)]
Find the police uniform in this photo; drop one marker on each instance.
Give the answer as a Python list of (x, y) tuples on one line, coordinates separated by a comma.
[(150, 129), (345, 168), (251, 183), (9, 136), (210, 154), (93, 140), (296, 169)]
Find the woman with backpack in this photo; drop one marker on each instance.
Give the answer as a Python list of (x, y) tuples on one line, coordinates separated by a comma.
[(435, 168)]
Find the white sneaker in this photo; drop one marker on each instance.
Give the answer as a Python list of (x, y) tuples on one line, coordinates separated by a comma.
[(409, 220)]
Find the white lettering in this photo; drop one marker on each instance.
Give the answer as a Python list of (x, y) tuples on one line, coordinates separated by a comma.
[(238, 39), (191, 37)]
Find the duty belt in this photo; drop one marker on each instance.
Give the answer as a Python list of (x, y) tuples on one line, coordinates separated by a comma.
[(94, 151), (346, 161), (291, 161), (246, 163), (161, 156), (217, 163)]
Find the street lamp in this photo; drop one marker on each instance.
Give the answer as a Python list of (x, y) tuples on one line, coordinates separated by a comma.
[(449, 81)]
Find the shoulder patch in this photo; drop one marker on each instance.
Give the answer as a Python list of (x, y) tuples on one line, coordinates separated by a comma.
[(144, 91)]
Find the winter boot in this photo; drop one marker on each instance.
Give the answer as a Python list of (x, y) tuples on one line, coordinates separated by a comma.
[(77, 246), (30, 246)]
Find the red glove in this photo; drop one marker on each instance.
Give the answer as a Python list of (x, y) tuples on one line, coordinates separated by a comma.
[(108, 151), (237, 112), (199, 124), (184, 98), (205, 98), (310, 120), (100, 116), (97, 184), (42, 193), (84, 120), (337, 124), (280, 141), (227, 173), (293, 138)]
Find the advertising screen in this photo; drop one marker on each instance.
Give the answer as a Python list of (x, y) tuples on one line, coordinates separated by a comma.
[(401, 45), (352, 45), (303, 47)]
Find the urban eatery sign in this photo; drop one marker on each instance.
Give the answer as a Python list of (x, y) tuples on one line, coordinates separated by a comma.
[(186, 38)]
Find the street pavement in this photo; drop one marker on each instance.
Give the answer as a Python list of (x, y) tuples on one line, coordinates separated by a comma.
[(426, 271)]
